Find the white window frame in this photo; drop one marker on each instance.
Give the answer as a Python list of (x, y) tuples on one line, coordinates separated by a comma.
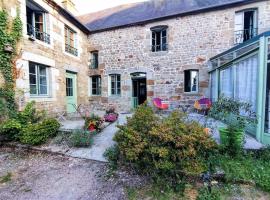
[(90, 85), (37, 66), (116, 85), (191, 85)]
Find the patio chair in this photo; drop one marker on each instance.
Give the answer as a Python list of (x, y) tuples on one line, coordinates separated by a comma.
[(160, 105), (203, 105), (60, 114)]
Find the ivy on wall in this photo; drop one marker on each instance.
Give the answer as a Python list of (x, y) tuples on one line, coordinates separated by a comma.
[(10, 34)]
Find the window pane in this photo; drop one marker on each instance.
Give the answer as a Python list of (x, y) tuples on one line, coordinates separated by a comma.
[(32, 68), (33, 89), (118, 78), (43, 89), (187, 79), (42, 70), (164, 33), (226, 88), (43, 80), (194, 81), (33, 79)]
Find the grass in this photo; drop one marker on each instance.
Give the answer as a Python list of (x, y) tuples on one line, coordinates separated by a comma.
[(6, 178)]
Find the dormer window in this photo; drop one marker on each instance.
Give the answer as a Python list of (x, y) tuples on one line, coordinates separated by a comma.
[(246, 25), (159, 38), (71, 41), (36, 22)]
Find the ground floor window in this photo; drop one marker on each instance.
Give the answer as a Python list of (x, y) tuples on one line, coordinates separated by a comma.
[(115, 84), (96, 85), (191, 80), (38, 79)]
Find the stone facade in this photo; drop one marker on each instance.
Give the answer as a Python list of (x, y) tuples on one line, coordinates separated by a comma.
[(52, 55), (192, 40)]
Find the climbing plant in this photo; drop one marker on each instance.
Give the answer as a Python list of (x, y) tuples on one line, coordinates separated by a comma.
[(10, 34)]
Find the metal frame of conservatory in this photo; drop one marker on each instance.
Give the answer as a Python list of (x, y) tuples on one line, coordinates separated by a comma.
[(258, 45)]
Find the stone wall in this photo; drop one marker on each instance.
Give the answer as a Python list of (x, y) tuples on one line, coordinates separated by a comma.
[(54, 56), (192, 40)]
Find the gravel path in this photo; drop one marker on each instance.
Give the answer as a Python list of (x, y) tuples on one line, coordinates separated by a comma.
[(47, 177)]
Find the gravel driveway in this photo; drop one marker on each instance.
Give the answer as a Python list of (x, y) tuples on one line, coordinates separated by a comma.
[(47, 177)]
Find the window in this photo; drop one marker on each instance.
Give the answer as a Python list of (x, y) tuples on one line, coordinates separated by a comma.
[(38, 78), (96, 85), (226, 82), (70, 41), (94, 60), (191, 80), (245, 25), (159, 38), (69, 87), (36, 22), (115, 81)]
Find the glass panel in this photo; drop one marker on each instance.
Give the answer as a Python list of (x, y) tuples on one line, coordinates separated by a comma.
[(213, 85), (226, 87), (246, 49), (43, 80), (32, 68), (43, 89), (245, 86), (267, 102), (269, 49), (33, 79), (42, 70), (194, 81), (33, 89), (69, 87)]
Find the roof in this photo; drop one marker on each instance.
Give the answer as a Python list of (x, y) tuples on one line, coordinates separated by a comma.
[(144, 12), (70, 17)]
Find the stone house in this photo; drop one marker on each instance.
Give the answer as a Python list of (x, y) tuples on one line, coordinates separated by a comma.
[(53, 60), (162, 48), (125, 55)]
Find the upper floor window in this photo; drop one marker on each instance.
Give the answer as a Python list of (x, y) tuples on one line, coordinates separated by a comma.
[(159, 38), (96, 85), (38, 79), (37, 22), (94, 60), (70, 41), (246, 25), (115, 84), (191, 81)]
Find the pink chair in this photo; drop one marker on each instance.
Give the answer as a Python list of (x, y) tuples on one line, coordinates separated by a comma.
[(160, 105)]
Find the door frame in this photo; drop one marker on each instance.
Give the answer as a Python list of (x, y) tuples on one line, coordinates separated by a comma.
[(73, 76)]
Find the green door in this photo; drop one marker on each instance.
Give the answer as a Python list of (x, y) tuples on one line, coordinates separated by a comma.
[(71, 92)]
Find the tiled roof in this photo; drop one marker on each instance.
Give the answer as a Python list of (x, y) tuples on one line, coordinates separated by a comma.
[(143, 12)]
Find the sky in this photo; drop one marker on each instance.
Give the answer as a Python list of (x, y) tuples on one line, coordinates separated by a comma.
[(87, 6)]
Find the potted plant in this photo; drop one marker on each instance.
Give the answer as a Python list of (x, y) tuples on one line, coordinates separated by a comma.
[(232, 136), (93, 123), (111, 115)]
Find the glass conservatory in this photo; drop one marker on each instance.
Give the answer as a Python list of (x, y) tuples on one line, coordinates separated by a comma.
[(243, 73)]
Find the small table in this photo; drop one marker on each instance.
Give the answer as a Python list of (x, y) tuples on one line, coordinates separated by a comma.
[(185, 107)]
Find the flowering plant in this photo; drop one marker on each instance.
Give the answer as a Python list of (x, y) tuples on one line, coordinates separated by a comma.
[(93, 123), (111, 117)]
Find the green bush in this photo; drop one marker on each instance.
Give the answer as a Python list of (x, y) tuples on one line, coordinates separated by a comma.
[(205, 194), (30, 114), (35, 134), (112, 155), (169, 147), (10, 129), (80, 138)]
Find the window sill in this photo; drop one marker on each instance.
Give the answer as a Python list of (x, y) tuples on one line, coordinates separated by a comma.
[(159, 53), (191, 93)]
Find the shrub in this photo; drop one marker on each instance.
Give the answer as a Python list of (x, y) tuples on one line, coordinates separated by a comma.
[(205, 194), (169, 147), (35, 134), (10, 129), (112, 155), (30, 114), (80, 138), (93, 123)]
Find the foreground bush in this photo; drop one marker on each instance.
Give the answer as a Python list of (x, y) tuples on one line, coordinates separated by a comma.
[(167, 148), (35, 134), (10, 129), (80, 138)]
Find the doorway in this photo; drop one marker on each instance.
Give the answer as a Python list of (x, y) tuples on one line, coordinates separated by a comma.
[(139, 88), (71, 92)]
